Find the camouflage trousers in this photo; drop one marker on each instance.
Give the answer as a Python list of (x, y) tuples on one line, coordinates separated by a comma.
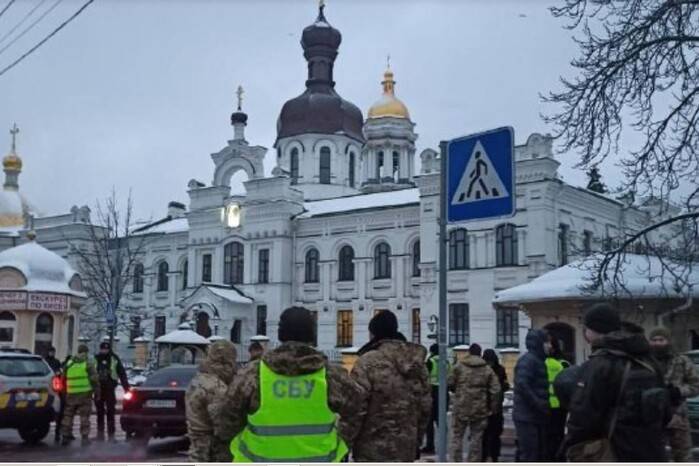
[(207, 448), (80, 404), (680, 441), (476, 429)]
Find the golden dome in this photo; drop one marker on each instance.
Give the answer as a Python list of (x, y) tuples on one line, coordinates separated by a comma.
[(12, 162), (388, 105)]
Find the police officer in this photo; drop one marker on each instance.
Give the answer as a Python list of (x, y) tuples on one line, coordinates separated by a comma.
[(555, 364), (284, 406), (110, 372), (81, 383)]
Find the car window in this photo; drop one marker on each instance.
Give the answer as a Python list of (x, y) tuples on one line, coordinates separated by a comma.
[(23, 367), (171, 377)]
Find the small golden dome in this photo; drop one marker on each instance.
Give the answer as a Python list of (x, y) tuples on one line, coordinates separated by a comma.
[(12, 162), (388, 105)]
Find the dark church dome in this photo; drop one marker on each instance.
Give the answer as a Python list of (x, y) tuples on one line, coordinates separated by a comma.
[(320, 109)]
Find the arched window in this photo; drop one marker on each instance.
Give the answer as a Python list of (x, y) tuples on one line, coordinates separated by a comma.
[(416, 258), (324, 165), (506, 245), (8, 328), (346, 264), (294, 165), (458, 249), (382, 261), (233, 263), (43, 334), (379, 165), (138, 278), (395, 173), (163, 270), (203, 327), (185, 272), (312, 266), (351, 169)]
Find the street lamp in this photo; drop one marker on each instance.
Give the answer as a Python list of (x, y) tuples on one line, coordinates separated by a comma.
[(432, 325)]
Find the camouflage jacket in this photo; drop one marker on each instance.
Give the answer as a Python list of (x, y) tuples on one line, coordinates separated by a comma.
[(210, 384), (476, 389), (345, 398), (394, 375), (682, 373)]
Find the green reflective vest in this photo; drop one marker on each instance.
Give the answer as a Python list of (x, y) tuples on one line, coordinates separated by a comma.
[(293, 424), (434, 370), (553, 368), (77, 378)]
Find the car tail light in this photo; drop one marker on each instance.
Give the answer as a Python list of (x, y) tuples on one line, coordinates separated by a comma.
[(129, 396), (57, 384), (173, 383)]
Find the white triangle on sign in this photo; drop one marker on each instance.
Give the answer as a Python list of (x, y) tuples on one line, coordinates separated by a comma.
[(480, 180)]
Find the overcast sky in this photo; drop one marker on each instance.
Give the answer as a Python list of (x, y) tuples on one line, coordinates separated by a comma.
[(138, 94)]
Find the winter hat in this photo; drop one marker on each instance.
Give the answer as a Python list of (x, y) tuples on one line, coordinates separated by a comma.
[(297, 324), (602, 318), (104, 345), (659, 332), (83, 349), (475, 349), (384, 325)]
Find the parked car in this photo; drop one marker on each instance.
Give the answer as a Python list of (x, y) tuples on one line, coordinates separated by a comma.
[(693, 403), (156, 407), (28, 400)]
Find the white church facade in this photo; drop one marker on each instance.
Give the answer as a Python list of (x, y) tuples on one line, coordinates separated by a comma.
[(345, 225)]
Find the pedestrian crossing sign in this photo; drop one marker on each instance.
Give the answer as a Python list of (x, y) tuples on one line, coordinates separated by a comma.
[(480, 176)]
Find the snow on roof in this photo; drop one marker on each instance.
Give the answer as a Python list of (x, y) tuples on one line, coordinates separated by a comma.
[(173, 225), (641, 277), (214, 338), (44, 270), (231, 294), (361, 201), (183, 336)]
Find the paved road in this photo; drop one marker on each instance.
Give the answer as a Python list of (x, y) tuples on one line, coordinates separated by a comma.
[(168, 450)]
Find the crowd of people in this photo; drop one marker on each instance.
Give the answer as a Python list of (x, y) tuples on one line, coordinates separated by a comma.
[(625, 403)]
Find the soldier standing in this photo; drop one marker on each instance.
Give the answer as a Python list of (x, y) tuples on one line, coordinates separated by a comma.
[(81, 383), (476, 395), (216, 372), (110, 372), (285, 406), (683, 379)]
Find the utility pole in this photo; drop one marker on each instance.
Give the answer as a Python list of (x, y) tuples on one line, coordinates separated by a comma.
[(442, 330)]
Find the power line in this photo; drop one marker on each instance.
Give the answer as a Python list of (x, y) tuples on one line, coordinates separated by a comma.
[(28, 28), (9, 4), (21, 21), (45, 39)]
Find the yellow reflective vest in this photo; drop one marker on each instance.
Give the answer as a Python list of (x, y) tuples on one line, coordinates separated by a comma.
[(293, 424), (553, 368), (77, 378)]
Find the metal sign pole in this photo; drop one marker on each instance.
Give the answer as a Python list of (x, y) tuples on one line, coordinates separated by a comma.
[(442, 331)]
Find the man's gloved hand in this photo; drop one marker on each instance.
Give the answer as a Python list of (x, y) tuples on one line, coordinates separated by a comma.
[(675, 395)]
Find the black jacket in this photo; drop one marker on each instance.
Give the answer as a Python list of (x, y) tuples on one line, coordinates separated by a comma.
[(531, 401), (54, 364), (103, 364), (643, 406)]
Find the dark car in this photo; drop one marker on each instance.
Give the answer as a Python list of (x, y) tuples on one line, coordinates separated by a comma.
[(156, 408)]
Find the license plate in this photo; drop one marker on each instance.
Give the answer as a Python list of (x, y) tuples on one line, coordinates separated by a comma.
[(161, 403)]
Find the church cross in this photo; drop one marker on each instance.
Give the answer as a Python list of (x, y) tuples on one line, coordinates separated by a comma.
[(14, 132), (239, 93)]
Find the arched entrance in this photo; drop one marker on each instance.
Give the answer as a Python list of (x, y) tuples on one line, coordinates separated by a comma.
[(566, 335), (203, 327)]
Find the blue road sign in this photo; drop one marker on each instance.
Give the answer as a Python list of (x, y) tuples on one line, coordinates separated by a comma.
[(480, 176), (109, 314)]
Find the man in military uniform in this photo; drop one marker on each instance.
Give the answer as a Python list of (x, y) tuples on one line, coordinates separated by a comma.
[(476, 391), (392, 372), (110, 372), (284, 406), (81, 382), (683, 379), (210, 384)]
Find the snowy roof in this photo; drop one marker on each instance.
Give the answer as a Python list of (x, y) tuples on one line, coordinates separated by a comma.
[(167, 225), (184, 335), (43, 270), (214, 338), (361, 202), (641, 277), (231, 294)]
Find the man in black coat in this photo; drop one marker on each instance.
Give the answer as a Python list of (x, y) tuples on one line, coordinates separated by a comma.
[(531, 400), (111, 372), (643, 404)]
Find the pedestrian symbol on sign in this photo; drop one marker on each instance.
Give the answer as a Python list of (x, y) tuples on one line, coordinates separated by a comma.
[(480, 180)]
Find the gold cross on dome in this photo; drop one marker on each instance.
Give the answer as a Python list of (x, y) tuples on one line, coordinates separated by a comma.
[(239, 93), (14, 132), (388, 61)]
